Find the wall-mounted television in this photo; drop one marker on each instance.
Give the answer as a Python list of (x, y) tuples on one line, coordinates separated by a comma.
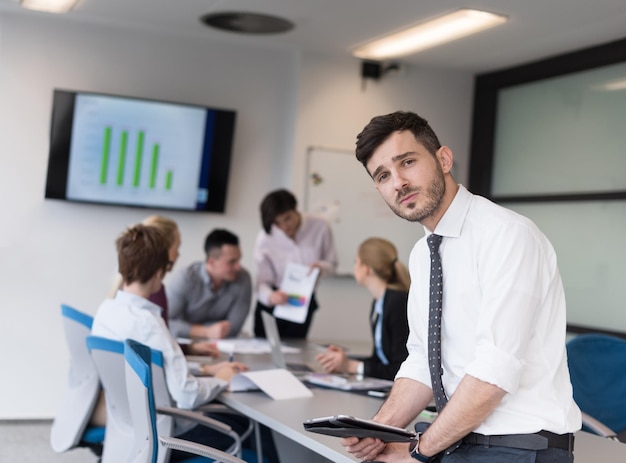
[(120, 150)]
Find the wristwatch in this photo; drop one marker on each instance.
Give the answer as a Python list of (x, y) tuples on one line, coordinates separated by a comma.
[(414, 450)]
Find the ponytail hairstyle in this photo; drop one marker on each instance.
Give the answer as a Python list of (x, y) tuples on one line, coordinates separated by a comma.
[(382, 257)]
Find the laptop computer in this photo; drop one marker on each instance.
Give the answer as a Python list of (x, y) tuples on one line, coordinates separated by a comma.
[(273, 338)]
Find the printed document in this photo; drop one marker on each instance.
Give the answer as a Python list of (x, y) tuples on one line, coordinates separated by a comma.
[(299, 283)]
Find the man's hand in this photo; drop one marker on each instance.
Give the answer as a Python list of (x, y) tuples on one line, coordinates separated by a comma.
[(396, 453), (204, 348), (367, 449), (217, 330)]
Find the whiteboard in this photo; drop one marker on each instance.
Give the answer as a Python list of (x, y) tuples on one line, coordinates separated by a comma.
[(339, 190)]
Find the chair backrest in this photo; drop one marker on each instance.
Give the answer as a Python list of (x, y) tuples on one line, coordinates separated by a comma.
[(597, 365), (83, 384), (141, 399), (108, 356), (149, 444)]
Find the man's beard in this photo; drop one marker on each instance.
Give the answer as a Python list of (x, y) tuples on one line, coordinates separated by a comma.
[(434, 195)]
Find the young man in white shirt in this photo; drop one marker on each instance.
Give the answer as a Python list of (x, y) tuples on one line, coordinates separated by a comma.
[(506, 389)]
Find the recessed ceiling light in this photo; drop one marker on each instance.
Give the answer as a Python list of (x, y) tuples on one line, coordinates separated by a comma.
[(247, 23), (50, 6), (440, 30)]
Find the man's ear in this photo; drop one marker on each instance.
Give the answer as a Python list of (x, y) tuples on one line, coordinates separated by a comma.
[(446, 159)]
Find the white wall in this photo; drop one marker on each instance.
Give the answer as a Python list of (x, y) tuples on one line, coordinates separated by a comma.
[(53, 252)]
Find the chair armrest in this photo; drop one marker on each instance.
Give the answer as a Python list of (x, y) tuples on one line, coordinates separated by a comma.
[(213, 407), (198, 449), (597, 427), (199, 418)]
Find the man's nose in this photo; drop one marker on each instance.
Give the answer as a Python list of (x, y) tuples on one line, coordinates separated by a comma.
[(399, 182)]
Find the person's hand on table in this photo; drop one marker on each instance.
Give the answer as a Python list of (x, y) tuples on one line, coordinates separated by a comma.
[(224, 370), (334, 360), (204, 348)]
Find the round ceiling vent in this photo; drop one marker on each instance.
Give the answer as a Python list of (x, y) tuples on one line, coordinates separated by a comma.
[(247, 23)]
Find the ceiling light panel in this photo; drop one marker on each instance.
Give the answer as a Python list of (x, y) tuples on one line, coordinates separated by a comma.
[(50, 6), (447, 28)]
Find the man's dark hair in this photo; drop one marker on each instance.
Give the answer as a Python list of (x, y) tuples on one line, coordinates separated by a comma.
[(218, 238), (141, 252), (275, 203), (381, 127)]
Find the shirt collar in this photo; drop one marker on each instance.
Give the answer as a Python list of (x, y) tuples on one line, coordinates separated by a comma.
[(452, 221), (137, 301), (378, 305)]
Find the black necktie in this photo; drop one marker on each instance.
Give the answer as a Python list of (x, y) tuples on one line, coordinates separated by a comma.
[(434, 322)]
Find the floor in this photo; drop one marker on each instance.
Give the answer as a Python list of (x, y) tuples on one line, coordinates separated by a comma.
[(26, 441)]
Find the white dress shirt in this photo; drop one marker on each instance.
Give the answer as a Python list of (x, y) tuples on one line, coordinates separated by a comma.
[(130, 316), (503, 316), (313, 243)]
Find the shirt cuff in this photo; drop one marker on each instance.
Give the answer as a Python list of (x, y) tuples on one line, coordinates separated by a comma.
[(360, 368)]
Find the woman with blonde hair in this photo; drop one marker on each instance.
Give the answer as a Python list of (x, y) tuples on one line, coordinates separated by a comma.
[(378, 269)]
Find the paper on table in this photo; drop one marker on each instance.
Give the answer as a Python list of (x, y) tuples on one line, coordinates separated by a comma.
[(298, 282), (251, 346), (278, 383)]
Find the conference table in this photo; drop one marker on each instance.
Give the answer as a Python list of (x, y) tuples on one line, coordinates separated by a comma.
[(285, 417)]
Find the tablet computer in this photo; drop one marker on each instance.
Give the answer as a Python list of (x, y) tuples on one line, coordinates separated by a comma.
[(346, 426)]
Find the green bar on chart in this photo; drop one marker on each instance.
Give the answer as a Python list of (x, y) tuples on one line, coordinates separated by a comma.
[(155, 164), (106, 151), (122, 161), (138, 159), (168, 179)]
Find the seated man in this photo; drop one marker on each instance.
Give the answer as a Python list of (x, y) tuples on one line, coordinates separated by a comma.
[(143, 261), (211, 299)]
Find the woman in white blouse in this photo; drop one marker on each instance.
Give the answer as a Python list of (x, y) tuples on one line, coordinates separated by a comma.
[(288, 236)]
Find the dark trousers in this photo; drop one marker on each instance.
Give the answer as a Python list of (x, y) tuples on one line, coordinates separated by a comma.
[(469, 453), (286, 329)]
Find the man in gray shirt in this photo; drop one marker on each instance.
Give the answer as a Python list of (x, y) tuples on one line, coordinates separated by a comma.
[(211, 299)]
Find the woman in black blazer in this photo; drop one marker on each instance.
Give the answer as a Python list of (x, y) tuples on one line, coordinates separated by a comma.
[(378, 269)]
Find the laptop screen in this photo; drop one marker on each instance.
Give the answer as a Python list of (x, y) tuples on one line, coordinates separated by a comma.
[(273, 338)]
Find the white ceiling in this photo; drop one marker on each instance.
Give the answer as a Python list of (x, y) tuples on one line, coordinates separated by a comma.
[(536, 29)]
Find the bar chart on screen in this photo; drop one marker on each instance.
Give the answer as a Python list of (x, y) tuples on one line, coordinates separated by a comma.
[(146, 151)]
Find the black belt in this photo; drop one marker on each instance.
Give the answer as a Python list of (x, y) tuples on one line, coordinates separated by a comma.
[(539, 441)]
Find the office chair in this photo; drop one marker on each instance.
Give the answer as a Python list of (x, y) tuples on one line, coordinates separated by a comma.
[(108, 357), (597, 365), (148, 443), (70, 427)]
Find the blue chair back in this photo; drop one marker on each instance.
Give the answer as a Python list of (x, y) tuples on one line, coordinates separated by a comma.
[(140, 396), (597, 365)]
